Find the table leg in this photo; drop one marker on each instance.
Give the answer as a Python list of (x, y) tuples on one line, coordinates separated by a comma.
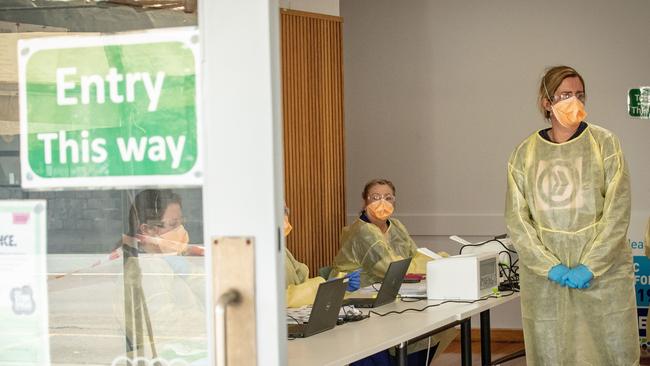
[(486, 352), (466, 342), (402, 354)]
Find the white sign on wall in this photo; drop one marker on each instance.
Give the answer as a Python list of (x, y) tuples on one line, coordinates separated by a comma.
[(23, 283)]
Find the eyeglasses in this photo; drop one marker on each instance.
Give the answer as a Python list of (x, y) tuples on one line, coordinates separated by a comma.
[(377, 196), (170, 224), (566, 95)]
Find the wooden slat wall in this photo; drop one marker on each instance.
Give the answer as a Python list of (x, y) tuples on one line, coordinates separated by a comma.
[(312, 91)]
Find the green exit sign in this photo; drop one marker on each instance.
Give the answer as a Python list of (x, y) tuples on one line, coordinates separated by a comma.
[(638, 102), (110, 111)]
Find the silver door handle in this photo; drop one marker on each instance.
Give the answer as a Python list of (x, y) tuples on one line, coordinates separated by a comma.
[(230, 297)]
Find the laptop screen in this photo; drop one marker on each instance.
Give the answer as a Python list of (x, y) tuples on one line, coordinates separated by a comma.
[(392, 281)]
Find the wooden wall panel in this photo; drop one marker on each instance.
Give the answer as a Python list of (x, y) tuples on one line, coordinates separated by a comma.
[(312, 91)]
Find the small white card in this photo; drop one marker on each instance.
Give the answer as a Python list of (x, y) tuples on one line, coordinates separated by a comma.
[(24, 336)]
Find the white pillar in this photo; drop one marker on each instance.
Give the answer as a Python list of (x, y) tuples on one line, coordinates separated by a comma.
[(241, 114)]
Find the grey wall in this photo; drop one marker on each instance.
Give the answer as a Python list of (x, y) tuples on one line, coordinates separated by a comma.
[(438, 93)]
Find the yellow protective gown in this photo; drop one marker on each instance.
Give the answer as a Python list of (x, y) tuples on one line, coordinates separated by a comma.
[(569, 203), (300, 289), (365, 247)]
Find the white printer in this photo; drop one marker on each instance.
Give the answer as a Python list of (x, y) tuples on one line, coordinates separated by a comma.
[(462, 277)]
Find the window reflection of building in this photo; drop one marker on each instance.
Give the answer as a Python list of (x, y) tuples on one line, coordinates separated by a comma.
[(83, 226)]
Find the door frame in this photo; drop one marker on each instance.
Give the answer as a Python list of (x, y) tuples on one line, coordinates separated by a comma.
[(243, 191)]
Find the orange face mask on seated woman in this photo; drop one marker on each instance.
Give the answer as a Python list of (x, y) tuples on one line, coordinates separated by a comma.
[(381, 209)]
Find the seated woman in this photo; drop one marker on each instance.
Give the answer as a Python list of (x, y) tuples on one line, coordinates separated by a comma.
[(300, 289), (374, 240), (370, 244)]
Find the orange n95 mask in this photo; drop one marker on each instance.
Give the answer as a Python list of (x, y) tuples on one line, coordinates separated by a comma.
[(287, 225), (569, 112), (174, 241), (380, 209)]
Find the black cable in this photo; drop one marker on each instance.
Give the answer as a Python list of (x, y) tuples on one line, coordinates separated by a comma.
[(508, 254), (502, 271), (348, 306), (505, 246), (512, 277), (512, 292), (294, 319), (508, 271), (410, 299), (486, 242), (351, 316), (290, 338)]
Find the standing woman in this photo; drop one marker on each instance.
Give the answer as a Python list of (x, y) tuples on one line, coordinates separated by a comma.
[(567, 211)]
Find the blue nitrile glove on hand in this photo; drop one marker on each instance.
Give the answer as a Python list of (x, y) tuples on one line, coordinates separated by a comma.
[(354, 280), (557, 273), (578, 277)]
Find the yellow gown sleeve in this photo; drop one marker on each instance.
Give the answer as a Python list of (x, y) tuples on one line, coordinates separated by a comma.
[(380, 267), (613, 224), (520, 227), (295, 272), (419, 263), (304, 293), (364, 247), (300, 290)]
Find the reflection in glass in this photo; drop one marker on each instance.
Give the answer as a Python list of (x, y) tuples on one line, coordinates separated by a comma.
[(115, 289), (106, 286), (159, 308)]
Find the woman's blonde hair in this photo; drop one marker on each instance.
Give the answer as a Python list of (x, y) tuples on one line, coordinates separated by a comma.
[(551, 81)]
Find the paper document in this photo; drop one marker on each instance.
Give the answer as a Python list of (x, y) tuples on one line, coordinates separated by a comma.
[(301, 315), (414, 290), (429, 253)]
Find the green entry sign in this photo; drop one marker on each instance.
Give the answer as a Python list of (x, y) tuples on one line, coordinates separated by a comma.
[(638, 102), (110, 111)]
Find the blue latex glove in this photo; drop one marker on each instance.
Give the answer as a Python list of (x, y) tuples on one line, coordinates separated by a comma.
[(557, 273), (578, 277), (354, 281)]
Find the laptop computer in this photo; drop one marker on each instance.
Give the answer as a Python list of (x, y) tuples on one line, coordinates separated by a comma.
[(389, 287), (324, 312)]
